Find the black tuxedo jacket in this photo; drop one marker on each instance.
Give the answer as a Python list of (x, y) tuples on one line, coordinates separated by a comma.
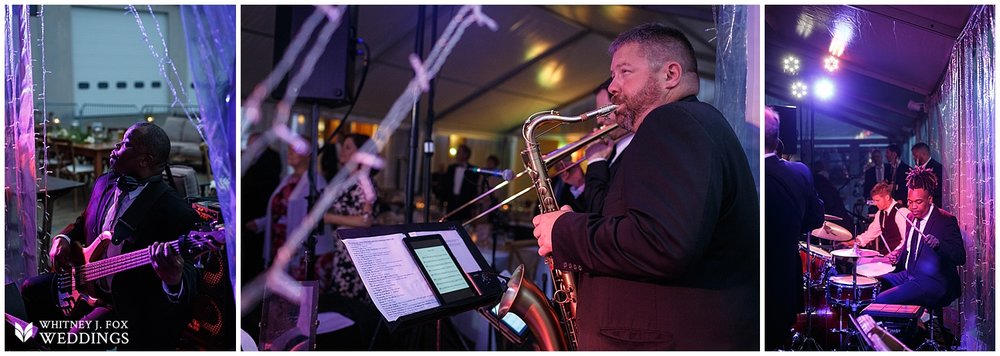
[(939, 266), (899, 179), (870, 178), (154, 323), (469, 190), (793, 208), (671, 260)]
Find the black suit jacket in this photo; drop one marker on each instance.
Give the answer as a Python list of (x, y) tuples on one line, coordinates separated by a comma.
[(598, 178), (870, 178), (939, 266), (899, 179), (938, 170), (154, 323), (468, 191), (671, 261), (565, 197), (793, 208)]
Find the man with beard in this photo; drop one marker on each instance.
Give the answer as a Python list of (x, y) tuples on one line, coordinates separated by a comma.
[(136, 210), (670, 262)]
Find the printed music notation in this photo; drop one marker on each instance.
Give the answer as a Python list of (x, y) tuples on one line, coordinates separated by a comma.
[(392, 277)]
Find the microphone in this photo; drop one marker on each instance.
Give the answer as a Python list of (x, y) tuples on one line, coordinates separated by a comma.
[(505, 174)]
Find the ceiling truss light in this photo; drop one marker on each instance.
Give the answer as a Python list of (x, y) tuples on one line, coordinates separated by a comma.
[(799, 90), (790, 65), (831, 64)]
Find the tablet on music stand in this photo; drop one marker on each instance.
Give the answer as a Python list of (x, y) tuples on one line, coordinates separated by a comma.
[(421, 272)]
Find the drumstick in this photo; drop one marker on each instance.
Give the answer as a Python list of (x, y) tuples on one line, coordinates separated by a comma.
[(915, 227)]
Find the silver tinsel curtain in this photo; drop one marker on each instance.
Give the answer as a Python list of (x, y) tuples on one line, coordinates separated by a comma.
[(19, 148), (211, 38), (960, 125), (737, 81)]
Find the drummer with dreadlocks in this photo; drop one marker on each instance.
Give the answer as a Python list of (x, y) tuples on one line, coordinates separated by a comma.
[(927, 264)]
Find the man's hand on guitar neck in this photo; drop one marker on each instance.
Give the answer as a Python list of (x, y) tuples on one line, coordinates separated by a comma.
[(167, 264)]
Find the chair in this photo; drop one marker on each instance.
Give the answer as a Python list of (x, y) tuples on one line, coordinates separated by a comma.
[(936, 314), (74, 167), (185, 180)]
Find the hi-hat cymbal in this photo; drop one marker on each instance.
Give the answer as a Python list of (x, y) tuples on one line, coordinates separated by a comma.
[(829, 217), (832, 232)]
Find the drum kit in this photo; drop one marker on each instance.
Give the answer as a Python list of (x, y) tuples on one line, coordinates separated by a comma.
[(847, 277)]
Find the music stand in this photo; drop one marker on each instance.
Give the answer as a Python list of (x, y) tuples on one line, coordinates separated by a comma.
[(399, 289)]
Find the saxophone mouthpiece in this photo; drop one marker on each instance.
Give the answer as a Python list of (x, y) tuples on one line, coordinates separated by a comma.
[(601, 111)]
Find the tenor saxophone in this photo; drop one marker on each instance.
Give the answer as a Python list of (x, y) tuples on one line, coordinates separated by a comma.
[(563, 282)]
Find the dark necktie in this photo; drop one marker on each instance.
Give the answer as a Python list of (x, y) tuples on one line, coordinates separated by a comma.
[(881, 226), (611, 157), (911, 255)]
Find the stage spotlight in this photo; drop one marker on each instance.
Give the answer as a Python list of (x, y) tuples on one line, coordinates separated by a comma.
[(799, 90), (790, 65), (831, 64), (824, 89)]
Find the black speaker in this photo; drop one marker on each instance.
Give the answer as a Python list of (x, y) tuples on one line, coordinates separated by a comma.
[(788, 132), (332, 79)]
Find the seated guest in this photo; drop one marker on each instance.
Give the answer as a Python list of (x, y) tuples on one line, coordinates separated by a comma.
[(133, 209), (934, 249), (889, 226)]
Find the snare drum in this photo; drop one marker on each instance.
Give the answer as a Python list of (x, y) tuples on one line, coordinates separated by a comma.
[(818, 258), (840, 290), (875, 269), (843, 259)]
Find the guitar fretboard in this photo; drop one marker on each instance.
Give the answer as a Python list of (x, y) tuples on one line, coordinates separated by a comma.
[(109, 266)]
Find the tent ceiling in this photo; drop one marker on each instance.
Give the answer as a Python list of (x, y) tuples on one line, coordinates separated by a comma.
[(541, 57), (897, 54)]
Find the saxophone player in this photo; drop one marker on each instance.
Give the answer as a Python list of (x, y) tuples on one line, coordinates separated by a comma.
[(671, 260)]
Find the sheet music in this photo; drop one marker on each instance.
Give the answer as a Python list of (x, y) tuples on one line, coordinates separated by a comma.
[(392, 277)]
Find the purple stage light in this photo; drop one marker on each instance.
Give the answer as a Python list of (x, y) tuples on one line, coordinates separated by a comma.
[(824, 89)]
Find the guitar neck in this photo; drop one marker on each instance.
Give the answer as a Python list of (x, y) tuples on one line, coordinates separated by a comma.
[(110, 266)]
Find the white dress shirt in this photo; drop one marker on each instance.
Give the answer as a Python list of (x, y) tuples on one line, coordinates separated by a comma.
[(875, 228), (920, 226)]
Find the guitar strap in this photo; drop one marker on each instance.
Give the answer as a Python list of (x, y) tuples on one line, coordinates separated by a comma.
[(129, 222)]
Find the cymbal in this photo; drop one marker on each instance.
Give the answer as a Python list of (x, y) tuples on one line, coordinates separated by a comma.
[(829, 217), (832, 232)]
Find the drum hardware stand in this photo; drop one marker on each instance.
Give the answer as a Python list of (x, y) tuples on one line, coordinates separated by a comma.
[(809, 343), (853, 304)]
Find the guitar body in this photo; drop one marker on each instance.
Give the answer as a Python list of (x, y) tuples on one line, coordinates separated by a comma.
[(70, 295), (83, 287)]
